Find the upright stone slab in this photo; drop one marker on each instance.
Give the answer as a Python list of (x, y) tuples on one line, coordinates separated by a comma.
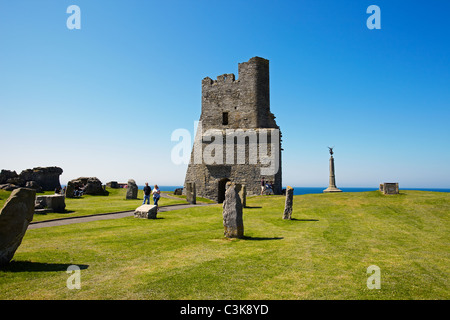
[(191, 193), (243, 195), (132, 189), (70, 190), (16, 215), (146, 211), (232, 213), (288, 204)]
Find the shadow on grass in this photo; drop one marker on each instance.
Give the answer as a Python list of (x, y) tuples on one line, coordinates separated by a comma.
[(260, 238), (294, 219), (249, 207), (29, 266)]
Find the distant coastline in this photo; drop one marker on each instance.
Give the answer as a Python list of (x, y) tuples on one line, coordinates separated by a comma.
[(312, 190), (309, 190)]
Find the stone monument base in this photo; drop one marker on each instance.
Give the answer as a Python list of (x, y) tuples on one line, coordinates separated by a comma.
[(332, 189), (146, 211)]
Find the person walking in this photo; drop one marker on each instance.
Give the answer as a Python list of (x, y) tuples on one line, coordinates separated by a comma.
[(147, 191), (156, 195), (263, 185)]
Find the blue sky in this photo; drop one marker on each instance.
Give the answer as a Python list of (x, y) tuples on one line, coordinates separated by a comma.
[(103, 100)]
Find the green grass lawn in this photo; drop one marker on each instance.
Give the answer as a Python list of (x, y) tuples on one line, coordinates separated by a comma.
[(115, 201), (323, 253)]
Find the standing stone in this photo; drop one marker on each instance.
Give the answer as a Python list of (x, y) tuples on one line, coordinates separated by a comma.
[(191, 193), (232, 213), (132, 189), (288, 204), (16, 215), (146, 211), (70, 190), (243, 195)]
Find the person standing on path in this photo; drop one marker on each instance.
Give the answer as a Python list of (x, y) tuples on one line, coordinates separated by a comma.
[(147, 191), (156, 195)]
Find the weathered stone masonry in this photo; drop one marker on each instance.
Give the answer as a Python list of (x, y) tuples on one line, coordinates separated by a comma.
[(228, 103)]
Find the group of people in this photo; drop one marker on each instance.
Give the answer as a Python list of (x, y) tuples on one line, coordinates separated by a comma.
[(266, 186), (155, 192)]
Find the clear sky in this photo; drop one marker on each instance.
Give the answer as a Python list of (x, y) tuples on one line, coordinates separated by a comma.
[(104, 100)]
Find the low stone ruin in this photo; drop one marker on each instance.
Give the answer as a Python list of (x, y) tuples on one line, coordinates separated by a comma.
[(178, 191), (389, 188), (39, 178), (113, 185), (88, 185), (51, 203), (15, 216)]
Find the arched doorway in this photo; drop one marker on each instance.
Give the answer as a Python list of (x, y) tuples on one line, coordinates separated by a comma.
[(221, 189)]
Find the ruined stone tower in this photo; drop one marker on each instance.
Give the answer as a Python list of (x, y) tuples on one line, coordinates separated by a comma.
[(237, 138)]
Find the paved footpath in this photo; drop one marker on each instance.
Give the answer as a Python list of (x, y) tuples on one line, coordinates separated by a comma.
[(107, 216)]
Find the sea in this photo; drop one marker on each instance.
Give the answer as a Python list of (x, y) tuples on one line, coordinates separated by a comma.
[(309, 190)]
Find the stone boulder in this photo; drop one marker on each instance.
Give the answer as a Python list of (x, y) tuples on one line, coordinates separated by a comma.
[(54, 202), (146, 211), (132, 189), (89, 185), (46, 177), (33, 185), (287, 214), (389, 188), (232, 213), (8, 187), (113, 185), (16, 215), (5, 175), (178, 191)]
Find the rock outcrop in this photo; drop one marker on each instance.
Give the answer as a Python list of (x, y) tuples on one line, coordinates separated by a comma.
[(15, 216), (89, 185), (41, 179)]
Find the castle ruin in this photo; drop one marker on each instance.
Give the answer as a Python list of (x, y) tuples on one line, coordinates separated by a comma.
[(237, 138)]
